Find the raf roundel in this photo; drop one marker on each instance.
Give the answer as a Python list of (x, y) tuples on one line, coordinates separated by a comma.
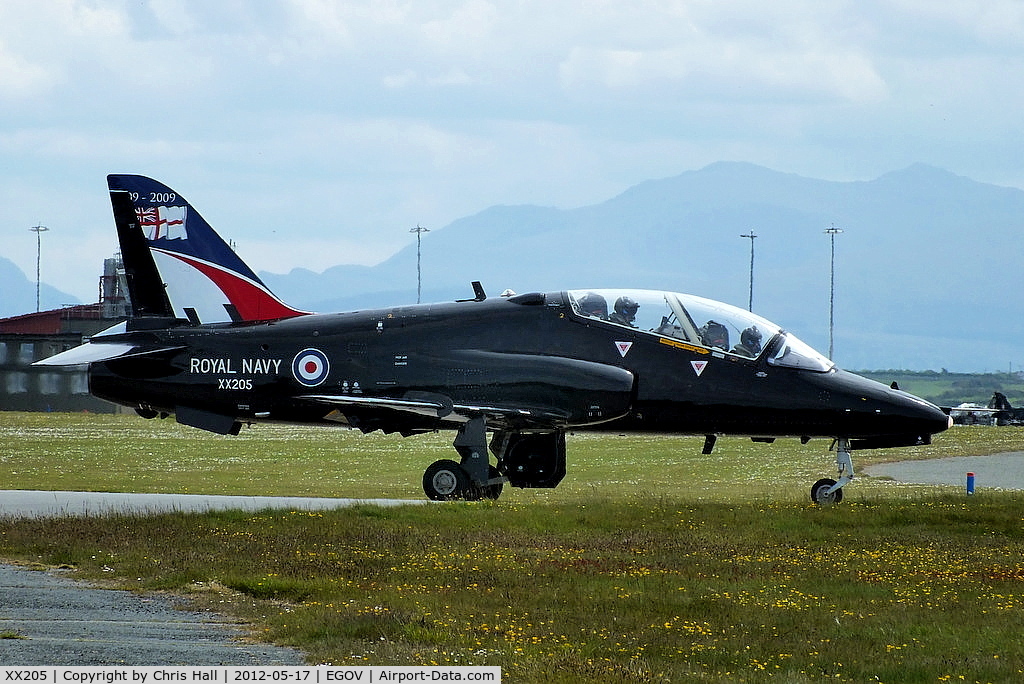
[(310, 367)]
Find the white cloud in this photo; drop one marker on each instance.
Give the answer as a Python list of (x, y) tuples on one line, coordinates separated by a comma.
[(402, 80), (388, 113), (991, 21), (733, 71), (91, 20), (740, 51), (317, 25), (20, 78), (469, 24), (174, 16)]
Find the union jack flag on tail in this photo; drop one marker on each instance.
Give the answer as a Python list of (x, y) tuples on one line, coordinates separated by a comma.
[(162, 223)]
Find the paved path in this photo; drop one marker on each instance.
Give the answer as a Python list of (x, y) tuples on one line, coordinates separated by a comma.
[(24, 503), (1003, 471), (58, 621)]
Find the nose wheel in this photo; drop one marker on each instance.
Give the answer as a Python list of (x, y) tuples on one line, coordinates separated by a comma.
[(824, 492), (827, 491)]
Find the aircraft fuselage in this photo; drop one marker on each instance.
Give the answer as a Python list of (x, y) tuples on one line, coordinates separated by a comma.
[(527, 353)]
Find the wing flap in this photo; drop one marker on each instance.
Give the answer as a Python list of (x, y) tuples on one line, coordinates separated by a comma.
[(440, 407)]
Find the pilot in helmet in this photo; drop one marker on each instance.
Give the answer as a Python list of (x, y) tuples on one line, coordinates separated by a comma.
[(625, 311), (750, 342), (593, 304)]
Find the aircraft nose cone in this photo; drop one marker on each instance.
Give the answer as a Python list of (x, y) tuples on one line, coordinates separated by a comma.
[(933, 418), (916, 411), (877, 410)]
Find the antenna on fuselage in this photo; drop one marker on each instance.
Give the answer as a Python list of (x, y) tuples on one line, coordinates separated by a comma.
[(478, 290)]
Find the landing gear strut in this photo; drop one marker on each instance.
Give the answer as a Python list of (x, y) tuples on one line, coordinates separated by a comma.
[(472, 479), (827, 490)]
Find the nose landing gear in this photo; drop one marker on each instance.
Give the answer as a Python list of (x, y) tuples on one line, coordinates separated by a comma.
[(828, 491)]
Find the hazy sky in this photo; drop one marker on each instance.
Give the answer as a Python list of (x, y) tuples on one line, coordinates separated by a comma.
[(318, 132)]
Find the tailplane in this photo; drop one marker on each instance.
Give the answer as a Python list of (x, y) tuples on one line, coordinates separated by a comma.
[(177, 266)]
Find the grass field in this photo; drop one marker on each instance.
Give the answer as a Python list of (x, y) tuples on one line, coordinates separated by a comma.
[(650, 562)]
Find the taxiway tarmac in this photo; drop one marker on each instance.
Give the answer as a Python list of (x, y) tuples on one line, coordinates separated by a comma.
[(996, 471), (36, 504), (50, 619)]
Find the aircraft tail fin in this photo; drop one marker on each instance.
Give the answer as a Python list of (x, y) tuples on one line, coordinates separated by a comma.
[(177, 266)]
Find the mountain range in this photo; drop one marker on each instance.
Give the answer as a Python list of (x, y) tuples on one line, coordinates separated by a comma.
[(926, 266), (18, 293)]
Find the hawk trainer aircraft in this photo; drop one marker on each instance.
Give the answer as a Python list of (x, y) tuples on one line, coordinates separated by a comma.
[(209, 343)]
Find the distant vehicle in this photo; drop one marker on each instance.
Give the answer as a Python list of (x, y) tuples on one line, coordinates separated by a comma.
[(210, 344)]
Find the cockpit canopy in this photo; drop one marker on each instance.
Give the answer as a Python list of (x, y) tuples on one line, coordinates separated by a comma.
[(698, 321)]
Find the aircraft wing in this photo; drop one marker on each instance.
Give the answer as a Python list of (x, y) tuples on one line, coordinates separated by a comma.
[(572, 392), (440, 407)]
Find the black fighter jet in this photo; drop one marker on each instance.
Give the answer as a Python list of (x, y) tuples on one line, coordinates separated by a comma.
[(210, 344)]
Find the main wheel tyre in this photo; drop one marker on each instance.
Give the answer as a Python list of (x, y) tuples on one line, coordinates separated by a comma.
[(445, 480), (819, 496)]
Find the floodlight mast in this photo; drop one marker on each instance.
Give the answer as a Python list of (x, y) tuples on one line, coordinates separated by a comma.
[(419, 230), (832, 231), (38, 230), (752, 235)]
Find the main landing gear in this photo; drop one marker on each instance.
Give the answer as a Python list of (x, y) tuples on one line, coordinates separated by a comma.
[(827, 490), (472, 479), (524, 459)]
